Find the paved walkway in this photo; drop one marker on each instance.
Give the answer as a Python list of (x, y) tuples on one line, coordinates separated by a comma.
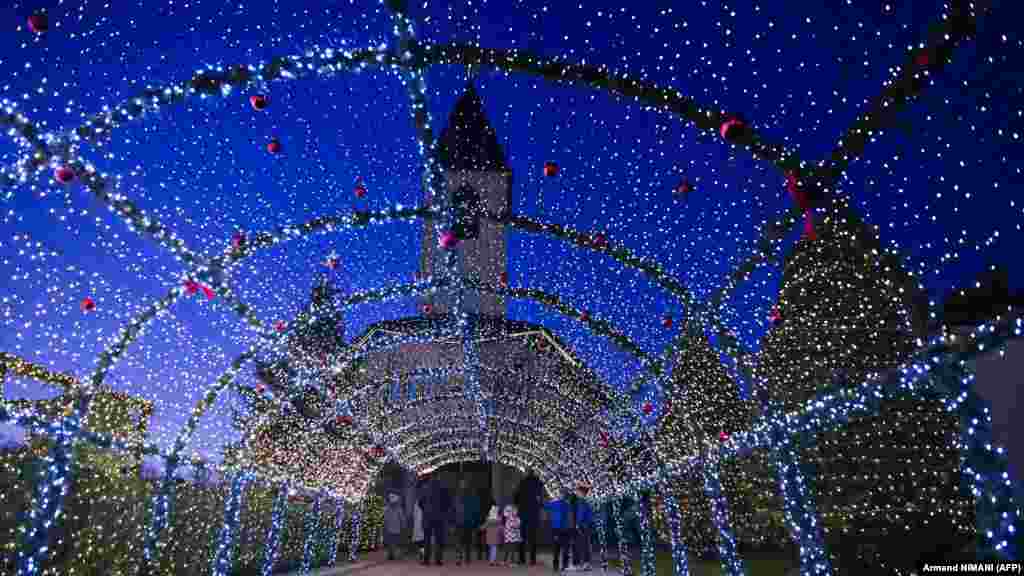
[(376, 564)]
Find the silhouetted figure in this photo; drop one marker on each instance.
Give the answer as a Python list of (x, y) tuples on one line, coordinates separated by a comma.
[(437, 509), (529, 500)]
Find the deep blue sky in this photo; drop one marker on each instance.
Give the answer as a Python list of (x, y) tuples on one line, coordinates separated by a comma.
[(800, 72)]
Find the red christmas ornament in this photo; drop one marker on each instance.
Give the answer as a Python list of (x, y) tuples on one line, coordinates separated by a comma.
[(503, 278), (427, 309), (723, 436), (191, 287), (359, 189), (332, 262), (258, 102), (666, 321), (448, 240), (88, 304), (274, 146), (64, 175), (600, 241), (280, 326), (731, 129), (584, 317), (550, 169), (603, 438), (38, 23), (260, 388), (238, 241), (923, 58), (208, 292), (775, 317), (648, 408), (344, 420), (683, 188)]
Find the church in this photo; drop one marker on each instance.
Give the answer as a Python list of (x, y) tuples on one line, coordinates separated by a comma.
[(522, 366)]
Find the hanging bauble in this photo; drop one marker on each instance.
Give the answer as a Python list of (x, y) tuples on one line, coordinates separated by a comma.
[(603, 438), (64, 175), (550, 169), (427, 309), (600, 241), (666, 321), (274, 146), (732, 129), (259, 102), (584, 316), (683, 189), (207, 291), (359, 189), (238, 241), (647, 408), (280, 326), (448, 240), (503, 278), (923, 58), (38, 23), (260, 388), (332, 262), (191, 287), (775, 317), (723, 436), (88, 304)]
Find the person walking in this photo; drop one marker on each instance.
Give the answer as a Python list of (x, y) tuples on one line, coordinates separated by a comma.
[(437, 510), (394, 523), (560, 511), (493, 529), (513, 534), (584, 529), (529, 499), (468, 518)]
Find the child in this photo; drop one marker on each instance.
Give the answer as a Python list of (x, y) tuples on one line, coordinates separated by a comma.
[(513, 534), (494, 536), (417, 531), (394, 522)]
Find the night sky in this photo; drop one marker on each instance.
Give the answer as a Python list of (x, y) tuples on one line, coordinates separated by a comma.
[(943, 185)]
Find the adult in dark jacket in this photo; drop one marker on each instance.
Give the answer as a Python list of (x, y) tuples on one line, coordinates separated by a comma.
[(468, 519), (436, 503), (529, 499)]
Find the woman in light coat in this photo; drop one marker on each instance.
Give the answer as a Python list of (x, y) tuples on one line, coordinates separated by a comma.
[(417, 528)]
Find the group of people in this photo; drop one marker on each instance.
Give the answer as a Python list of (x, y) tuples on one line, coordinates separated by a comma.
[(510, 528)]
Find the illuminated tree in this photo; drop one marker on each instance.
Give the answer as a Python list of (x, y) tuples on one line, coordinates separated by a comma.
[(844, 313)]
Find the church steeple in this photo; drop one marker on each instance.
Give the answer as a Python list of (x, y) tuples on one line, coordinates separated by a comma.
[(469, 142), (478, 181)]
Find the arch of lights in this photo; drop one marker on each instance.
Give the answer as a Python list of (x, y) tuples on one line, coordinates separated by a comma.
[(939, 369)]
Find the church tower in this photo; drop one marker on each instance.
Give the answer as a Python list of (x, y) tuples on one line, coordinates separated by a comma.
[(478, 181)]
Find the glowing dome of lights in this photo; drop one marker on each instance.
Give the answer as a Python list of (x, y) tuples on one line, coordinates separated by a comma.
[(621, 247)]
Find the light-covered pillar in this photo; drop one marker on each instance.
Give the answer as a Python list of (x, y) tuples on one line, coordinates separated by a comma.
[(223, 558), (273, 542)]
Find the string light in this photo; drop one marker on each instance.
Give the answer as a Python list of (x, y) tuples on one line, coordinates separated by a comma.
[(340, 447)]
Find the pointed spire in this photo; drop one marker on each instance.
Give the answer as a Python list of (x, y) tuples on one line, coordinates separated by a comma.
[(469, 142)]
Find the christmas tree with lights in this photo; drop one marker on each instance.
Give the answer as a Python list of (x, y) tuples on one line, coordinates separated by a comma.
[(845, 312), (704, 407)]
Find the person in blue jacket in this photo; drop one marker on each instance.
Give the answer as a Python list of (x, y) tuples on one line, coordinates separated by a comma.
[(584, 529), (562, 527)]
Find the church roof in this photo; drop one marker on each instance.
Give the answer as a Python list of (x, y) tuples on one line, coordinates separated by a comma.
[(469, 142)]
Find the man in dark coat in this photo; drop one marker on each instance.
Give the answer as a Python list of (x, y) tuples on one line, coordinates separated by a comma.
[(436, 503), (528, 500)]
